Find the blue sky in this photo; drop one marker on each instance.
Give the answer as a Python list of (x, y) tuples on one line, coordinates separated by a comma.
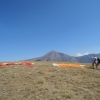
[(32, 28)]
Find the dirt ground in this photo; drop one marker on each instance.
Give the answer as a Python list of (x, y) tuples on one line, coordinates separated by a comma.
[(46, 82)]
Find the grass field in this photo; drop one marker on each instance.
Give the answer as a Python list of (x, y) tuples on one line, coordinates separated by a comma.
[(46, 82)]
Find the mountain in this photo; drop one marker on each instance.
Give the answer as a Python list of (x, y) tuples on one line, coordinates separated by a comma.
[(54, 56), (57, 56), (86, 58)]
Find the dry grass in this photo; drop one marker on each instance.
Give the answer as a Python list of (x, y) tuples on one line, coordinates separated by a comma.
[(46, 82)]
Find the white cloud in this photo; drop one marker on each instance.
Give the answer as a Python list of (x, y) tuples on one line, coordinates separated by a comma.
[(86, 53), (80, 54)]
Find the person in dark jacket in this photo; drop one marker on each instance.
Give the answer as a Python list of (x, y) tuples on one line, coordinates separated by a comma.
[(98, 62)]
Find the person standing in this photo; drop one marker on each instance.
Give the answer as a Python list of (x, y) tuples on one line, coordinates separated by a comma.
[(98, 59), (94, 61)]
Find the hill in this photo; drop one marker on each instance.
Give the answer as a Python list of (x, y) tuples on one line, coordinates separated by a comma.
[(61, 57), (46, 82), (55, 56)]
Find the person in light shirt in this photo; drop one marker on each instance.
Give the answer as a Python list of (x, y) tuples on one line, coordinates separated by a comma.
[(94, 61)]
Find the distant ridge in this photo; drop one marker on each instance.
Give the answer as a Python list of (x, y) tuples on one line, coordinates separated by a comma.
[(61, 57)]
